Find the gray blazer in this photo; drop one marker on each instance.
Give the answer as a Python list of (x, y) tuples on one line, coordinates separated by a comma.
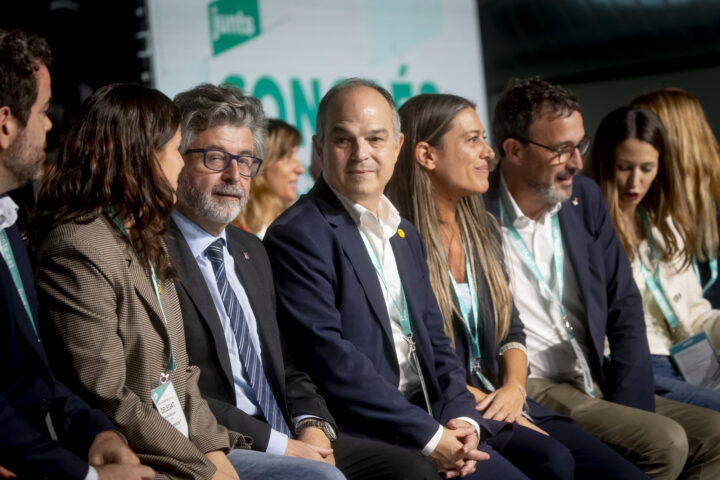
[(104, 330)]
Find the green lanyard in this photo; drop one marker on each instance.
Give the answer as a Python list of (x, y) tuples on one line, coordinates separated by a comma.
[(110, 213), (653, 281), (556, 297), (713, 262), (9, 257), (403, 316), (470, 319)]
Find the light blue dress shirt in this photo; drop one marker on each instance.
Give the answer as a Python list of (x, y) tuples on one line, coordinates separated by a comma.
[(199, 240)]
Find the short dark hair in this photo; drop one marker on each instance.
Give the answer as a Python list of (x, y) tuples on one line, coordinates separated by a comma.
[(522, 102), (20, 56)]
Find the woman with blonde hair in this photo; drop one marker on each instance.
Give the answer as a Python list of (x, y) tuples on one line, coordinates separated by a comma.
[(439, 179), (275, 188), (695, 152), (640, 184)]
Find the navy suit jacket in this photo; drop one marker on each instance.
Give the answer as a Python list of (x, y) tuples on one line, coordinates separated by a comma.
[(28, 391), (332, 311), (607, 289), (206, 346)]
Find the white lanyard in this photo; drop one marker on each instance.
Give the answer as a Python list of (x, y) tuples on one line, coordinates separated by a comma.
[(9, 257)]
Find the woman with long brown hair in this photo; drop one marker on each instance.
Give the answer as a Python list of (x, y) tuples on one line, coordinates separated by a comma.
[(641, 187), (112, 321), (694, 151), (274, 189), (441, 174)]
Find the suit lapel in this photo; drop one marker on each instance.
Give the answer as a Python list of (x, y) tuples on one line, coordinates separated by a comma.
[(192, 281), (349, 237)]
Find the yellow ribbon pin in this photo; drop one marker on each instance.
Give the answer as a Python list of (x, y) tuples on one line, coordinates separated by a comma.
[(401, 233)]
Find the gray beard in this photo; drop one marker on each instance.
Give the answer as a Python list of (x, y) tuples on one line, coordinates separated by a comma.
[(202, 203)]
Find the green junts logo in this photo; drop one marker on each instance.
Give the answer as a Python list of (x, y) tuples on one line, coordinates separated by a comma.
[(232, 22)]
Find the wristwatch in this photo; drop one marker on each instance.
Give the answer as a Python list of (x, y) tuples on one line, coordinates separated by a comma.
[(323, 425)]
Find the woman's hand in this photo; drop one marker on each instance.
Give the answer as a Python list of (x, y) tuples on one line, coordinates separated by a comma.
[(504, 404), (524, 422)]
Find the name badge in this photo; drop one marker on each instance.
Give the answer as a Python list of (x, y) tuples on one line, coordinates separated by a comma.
[(697, 361), (168, 404)]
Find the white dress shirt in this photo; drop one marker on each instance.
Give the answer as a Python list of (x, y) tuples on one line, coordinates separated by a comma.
[(199, 240), (550, 354), (379, 230)]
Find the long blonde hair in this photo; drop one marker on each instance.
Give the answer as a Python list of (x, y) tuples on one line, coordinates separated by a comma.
[(693, 148), (428, 118), (264, 205)]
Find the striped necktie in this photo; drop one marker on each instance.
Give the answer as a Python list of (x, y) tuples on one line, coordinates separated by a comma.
[(250, 360)]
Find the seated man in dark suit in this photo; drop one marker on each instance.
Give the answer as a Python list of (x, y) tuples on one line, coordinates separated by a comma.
[(45, 430), (574, 288), (358, 311), (227, 296)]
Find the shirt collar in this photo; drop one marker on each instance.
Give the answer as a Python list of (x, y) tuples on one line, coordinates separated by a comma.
[(197, 239), (388, 218), (518, 218), (8, 212)]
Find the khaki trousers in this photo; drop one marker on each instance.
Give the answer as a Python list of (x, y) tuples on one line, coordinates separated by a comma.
[(678, 441)]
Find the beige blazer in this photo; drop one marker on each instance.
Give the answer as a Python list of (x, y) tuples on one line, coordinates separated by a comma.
[(106, 338), (684, 293)]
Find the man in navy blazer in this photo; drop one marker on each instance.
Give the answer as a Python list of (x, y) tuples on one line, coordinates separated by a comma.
[(535, 195), (358, 311), (45, 430)]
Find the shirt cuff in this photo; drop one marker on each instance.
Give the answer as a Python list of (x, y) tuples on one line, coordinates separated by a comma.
[(92, 473), (473, 423), (277, 443), (430, 446), (511, 345)]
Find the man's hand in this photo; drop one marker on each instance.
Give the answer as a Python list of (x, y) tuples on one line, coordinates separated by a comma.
[(225, 470), (5, 473), (125, 472), (504, 404), (522, 421), (109, 448), (315, 439), (456, 453)]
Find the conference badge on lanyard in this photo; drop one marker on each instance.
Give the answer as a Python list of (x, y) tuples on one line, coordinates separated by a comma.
[(168, 404)]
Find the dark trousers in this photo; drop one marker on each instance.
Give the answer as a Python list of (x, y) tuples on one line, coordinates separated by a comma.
[(365, 459)]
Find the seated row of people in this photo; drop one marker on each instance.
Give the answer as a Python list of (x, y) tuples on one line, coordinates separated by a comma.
[(331, 347)]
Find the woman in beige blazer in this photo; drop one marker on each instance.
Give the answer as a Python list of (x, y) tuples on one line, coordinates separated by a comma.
[(641, 188), (112, 322)]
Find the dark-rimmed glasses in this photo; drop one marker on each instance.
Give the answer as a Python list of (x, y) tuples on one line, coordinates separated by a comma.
[(564, 153), (218, 160)]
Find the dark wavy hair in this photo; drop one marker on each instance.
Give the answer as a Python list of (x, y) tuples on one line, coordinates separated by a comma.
[(109, 158), (521, 104), (20, 57), (663, 198)]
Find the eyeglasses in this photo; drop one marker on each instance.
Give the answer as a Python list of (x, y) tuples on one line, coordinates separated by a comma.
[(218, 160), (565, 152)]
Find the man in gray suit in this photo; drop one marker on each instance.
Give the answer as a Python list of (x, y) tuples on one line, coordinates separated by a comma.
[(227, 296)]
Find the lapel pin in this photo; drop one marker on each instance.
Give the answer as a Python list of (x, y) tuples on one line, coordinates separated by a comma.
[(575, 201), (247, 257), (401, 233)]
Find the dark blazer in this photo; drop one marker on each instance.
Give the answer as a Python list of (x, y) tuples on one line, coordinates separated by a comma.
[(331, 305), (612, 302), (28, 391), (206, 346), (713, 293)]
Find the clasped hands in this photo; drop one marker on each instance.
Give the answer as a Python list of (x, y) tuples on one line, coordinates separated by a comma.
[(456, 454)]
